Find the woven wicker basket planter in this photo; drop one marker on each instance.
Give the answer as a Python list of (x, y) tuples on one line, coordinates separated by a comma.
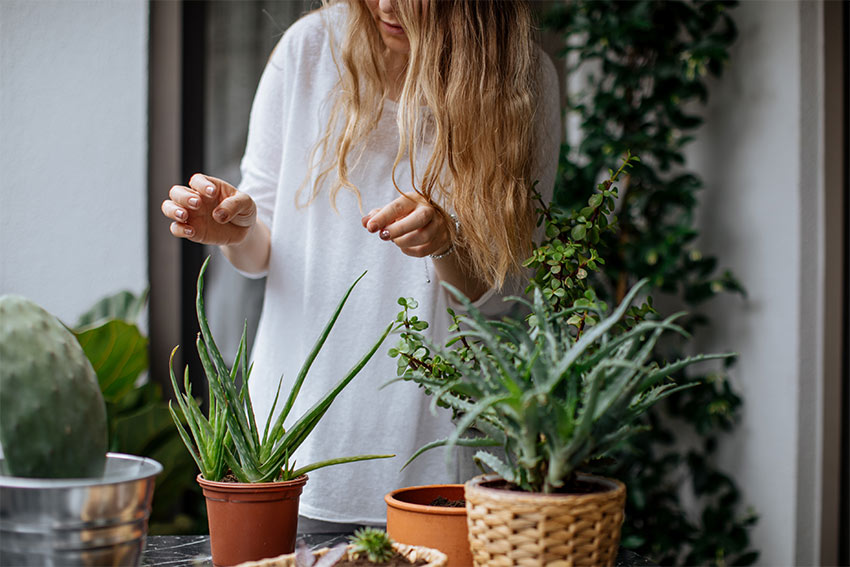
[(509, 527), (411, 552)]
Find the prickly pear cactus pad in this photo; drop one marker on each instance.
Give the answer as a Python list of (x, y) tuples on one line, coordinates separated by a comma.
[(52, 413)]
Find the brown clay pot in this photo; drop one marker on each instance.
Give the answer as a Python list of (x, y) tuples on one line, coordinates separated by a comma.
[(413, 521), (251, 521)]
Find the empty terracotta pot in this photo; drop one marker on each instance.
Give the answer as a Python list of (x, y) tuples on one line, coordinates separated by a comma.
[(411, 519), (249, 522)]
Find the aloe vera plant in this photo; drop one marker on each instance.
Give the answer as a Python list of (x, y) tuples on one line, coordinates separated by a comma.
[(560, 387), (229, 439), (551, 402)]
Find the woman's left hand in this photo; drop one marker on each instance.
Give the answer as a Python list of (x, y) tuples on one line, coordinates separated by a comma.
[(412, 224)]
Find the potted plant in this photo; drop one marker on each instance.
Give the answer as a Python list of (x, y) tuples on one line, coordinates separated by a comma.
[(554, 390), (431, 516), (247, 475), (63, 499), (368, 546)]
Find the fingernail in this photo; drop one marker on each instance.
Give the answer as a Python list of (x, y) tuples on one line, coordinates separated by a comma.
[(210, 190), (221, 216), (385, 234), (194, 202), (188, 231), (181, 215)]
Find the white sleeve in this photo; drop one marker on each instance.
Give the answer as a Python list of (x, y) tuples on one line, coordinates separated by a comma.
[(262, 159), (548, 127)]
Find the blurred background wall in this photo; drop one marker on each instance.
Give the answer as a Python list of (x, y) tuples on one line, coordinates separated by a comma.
[(73, 151)]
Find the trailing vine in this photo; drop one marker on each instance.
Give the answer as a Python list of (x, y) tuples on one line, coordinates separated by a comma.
[(645, 66)]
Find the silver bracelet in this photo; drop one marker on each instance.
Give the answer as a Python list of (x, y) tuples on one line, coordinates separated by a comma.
[(452, 244)]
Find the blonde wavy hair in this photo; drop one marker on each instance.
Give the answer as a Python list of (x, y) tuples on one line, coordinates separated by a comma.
[(473, 65)]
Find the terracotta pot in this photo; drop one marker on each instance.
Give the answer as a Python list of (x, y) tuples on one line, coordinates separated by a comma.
[(251, 521), (412, 520), (510, 527)]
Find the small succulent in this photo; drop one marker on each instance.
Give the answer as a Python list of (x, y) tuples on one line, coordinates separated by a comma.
[(375, 544)]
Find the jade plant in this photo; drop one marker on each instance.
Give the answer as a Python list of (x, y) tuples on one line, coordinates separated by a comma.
[(562, 386), (229, 438)]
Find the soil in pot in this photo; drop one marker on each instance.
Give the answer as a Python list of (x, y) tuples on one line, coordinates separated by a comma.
[(446, 503), (575, 486), (397, 560)]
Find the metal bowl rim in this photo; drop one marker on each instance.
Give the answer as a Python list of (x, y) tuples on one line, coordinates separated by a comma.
[(147, 468)]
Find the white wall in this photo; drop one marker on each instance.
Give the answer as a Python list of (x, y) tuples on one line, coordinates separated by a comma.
[(73, 150), (749, 155)]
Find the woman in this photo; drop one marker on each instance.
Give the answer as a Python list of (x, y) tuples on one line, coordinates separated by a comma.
[(436, 117)]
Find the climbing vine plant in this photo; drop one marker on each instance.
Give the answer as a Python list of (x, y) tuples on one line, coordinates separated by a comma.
[(644, 66)]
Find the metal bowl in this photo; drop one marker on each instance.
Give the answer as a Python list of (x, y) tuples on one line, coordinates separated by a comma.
[(69, 522)]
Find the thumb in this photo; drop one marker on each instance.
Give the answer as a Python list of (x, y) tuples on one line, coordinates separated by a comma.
[(238, 208)]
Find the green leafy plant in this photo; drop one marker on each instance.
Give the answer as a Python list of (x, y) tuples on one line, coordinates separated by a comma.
[(375, 544), (643, 70), (137, 414), (229, 438), (561, 387)]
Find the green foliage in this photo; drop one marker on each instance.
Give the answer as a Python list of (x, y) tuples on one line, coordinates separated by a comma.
[(138, 418), (375, 544), (645, 66), (229, 438), (560, 388)]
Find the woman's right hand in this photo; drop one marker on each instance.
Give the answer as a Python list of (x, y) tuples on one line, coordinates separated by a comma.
[(210, 211)]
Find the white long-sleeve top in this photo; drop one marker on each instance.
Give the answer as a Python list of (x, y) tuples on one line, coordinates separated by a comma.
[(316, 253)]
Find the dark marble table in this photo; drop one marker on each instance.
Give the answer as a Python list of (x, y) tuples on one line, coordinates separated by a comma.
[(194, 551)]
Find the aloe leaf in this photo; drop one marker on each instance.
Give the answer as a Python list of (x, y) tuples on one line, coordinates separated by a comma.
[(469, 418), (339, 461), (218, 361), (235, 466), (674, 367), (308, 362), (498, 466), (463, 442), (245, 396), (657, 394), (496, 433), (194, 418), (266, 444), (597, 331), (185, 437), (586, 418), (305, 424), (235, 414), (237, 422)]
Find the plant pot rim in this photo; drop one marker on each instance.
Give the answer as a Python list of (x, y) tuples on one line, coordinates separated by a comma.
[(477, 483), (132, 468), (394, 502), (434, 557), (236, 486)]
